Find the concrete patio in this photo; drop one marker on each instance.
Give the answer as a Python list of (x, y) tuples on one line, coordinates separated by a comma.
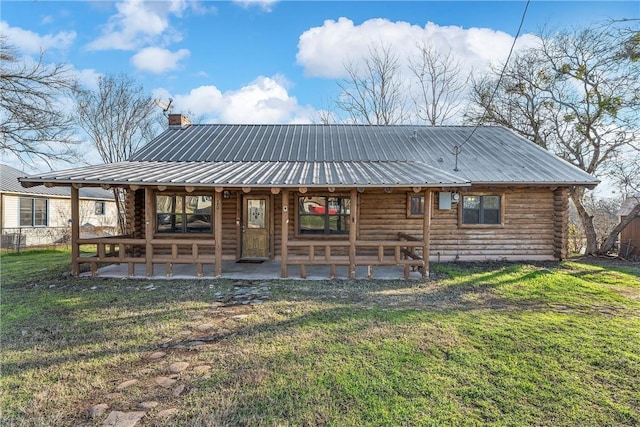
[(267, 270)]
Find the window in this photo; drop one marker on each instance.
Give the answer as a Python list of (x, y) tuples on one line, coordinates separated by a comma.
[(99, 208), (33, 212), (481, 210), (415, 205), (183, 214), (323, 215)]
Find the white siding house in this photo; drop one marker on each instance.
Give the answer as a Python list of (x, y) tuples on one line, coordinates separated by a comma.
[(40, 215)]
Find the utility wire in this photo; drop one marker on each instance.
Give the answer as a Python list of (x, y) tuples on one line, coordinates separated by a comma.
[(457, 149)]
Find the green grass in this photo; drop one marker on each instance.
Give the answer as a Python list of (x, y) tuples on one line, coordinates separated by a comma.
[(504, 344)]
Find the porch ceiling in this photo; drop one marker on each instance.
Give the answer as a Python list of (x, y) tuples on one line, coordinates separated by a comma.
[(255, 174)]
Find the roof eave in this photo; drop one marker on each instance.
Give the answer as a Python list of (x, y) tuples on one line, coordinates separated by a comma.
[(114, 183)]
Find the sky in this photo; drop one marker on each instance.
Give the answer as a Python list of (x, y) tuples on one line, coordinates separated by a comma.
[(271, 61)]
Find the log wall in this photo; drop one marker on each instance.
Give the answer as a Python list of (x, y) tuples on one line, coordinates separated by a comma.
[(527, 232), (230, 215), (535, 224)]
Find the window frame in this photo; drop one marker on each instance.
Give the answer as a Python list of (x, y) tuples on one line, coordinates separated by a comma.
[(410, 212), (102, 210), (323, 235), (501, 213), (184, 231), (32, 201)]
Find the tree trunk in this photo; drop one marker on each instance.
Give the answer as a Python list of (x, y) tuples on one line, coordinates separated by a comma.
[(586, 220), (607, 245)]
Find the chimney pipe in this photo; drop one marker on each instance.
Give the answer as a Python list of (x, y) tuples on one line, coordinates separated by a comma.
[(179, 120)]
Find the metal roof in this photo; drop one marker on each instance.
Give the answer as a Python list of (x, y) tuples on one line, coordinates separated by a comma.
[(259, 174), (9, 184), (333, 155)]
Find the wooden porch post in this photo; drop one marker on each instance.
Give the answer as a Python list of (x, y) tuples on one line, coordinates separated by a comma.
[(148, 229), (75, 231), (426, 232), (217, 232), (353, 233), (284, 238)]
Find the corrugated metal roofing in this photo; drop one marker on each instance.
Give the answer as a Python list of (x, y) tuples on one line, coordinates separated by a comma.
[(9, 184), (333, 155), (259, 174)]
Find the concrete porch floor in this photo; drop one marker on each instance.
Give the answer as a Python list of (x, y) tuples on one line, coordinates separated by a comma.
[(267, 270)]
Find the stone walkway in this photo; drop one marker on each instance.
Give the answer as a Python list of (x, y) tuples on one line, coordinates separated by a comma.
[(167, 381)]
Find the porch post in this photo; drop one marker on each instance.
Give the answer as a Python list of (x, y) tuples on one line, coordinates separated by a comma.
[(217, 232), (353, 233), (284, 238), (426, 232), (148, 229), (75, 231)]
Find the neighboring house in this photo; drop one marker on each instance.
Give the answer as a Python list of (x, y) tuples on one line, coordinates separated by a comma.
[(333, 195), (41, 215), (630, 235)]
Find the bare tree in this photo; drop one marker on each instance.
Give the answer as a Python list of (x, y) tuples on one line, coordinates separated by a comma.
[(373, 94), (118, 117), (576, 94), (33, 122), (440, 83)]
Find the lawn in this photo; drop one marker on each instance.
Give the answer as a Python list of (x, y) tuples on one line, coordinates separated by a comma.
[(554, 344)]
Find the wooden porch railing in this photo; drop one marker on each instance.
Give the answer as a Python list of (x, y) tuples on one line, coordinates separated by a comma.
[(403, 252), (132, 251)]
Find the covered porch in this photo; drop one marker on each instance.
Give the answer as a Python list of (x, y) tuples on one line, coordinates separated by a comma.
[(146, 253)]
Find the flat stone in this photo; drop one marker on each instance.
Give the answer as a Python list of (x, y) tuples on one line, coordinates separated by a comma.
[(178, 366), (240, 316), (126, 384), (197, 317), (178, 390), (148, 405), (123, 419), (184, 333), (97, 410), (165, 382), (167, 413), (157, 355)]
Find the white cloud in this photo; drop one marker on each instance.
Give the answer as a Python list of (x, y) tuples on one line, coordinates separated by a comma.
[(266, 5), (158, 60), (137, 23), (324, 50), (33, 43), (264, 100), (88, 78)]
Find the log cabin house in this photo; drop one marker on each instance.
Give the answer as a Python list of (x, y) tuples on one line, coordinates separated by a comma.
[(340, 196)]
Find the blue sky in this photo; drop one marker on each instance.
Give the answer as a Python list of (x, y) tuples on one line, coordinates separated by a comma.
[(271, 61)]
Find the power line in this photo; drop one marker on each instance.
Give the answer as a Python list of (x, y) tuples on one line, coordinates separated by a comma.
[(458, 149)]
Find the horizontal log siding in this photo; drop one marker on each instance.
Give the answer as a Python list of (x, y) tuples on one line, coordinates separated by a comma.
[(383, 216), (230, 230), (277, 212), (528, 231)]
